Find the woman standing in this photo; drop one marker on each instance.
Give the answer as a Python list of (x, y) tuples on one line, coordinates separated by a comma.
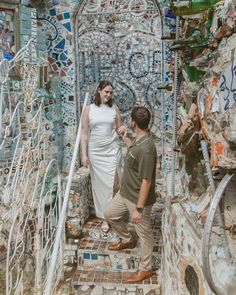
[(101, 124)]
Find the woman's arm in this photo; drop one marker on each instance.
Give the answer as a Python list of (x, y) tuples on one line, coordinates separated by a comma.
[(121, 129), (118, 118), (84, 136)]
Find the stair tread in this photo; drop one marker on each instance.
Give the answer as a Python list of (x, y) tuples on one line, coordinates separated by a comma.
[(89, 244), (110, 236), (109, 277), (100, 271), (93, 238), (114, 287)]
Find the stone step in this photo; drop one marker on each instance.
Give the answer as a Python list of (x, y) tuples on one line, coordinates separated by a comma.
[(95, 255), (93, 252), (94, 270), (92, 230), (108, 283)]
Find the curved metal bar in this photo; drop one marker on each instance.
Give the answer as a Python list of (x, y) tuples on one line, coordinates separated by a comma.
[(33, 196), (23, 188), (50, 164), (5, 67), (207, 233), (218, 217), (176, 94), (20, 54), (13, 116), (4, 70), (207, 164), (9, 252)]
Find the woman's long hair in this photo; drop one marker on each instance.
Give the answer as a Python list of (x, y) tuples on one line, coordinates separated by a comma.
[(101, 86)]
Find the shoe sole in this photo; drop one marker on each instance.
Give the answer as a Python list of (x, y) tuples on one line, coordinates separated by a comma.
[(131, 247), (138, 281)]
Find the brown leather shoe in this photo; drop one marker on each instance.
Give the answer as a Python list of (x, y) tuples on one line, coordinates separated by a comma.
[(120, 246), (139, 276)]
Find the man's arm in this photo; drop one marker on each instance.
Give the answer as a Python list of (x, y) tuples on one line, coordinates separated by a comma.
[(143, 193), (142, 198), (128, 141)]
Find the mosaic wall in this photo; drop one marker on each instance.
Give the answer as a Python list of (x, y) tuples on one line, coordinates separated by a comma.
[(7, 33), (30, 157), (206, 107), (122, 44), (182, 249), (57, 27), (29, 84), (79, 203), (133, 61)]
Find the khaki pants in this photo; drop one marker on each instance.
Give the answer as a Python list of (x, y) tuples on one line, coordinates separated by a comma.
[(114, 212)]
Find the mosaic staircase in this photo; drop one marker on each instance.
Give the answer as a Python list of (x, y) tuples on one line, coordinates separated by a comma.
[(98, 271)]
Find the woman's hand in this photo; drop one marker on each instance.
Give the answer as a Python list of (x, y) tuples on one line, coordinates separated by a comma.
[(122, 130), (85, 161)]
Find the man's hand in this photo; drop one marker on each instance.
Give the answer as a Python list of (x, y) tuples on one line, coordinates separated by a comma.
[(122, 130), (136, 218)]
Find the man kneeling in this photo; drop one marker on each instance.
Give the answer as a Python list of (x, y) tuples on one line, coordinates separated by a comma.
[(137, 194)]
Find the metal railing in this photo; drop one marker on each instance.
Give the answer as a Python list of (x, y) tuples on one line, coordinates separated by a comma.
[(30, 180)]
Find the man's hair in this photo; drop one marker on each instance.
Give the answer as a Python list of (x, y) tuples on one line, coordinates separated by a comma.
[(141, 116), (101, 86)]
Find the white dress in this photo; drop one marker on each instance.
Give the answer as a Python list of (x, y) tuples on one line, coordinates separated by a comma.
[(104, 154)]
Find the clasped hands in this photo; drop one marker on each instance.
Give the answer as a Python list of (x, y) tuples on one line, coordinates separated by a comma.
[(122, 131)]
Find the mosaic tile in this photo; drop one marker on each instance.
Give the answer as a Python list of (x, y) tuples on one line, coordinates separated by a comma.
[(67, 26), (60, 45), (52, 12), (66, 15)]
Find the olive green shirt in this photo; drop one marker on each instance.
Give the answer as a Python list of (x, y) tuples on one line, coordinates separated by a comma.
[(140, 163)]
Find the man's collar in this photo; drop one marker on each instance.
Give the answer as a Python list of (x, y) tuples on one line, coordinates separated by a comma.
[(142, 139)]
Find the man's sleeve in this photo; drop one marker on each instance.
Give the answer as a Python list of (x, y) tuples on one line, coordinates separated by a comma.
[(147, 165)]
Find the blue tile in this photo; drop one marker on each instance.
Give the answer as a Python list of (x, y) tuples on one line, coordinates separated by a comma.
[(61, 44), (7, 55), (86, 255), (55, 55), (94, 256), (63, 57), (67, 26), (169, 14), (52, 12), (66, 15)]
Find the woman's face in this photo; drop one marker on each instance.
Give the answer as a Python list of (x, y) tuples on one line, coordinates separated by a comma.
[(106, 94)]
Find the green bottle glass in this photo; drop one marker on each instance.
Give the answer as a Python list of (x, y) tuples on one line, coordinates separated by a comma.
[(192, 7)]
